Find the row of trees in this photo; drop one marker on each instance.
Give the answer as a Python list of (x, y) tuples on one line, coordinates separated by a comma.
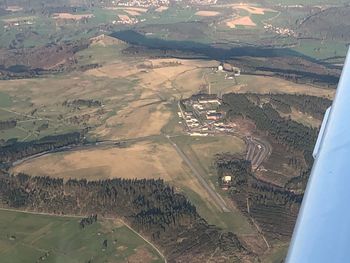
[(285, 131), (14, 150), (9, 124), (272, 207), (86, 221), (82, 102), (312, 105)]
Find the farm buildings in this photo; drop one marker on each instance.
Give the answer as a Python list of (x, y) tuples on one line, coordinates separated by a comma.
[(229, 68), (202, 116)]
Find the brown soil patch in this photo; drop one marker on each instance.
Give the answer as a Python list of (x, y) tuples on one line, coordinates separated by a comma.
[(132, 12), (124, 18), (140, 256), (71, 16), (197, 83), (118, 70), (254, 242), (161, 8), (122, 248), (136, 9), (243, 126), (240, 21), (104, 40), (263, 85), (248, 7), (160, 70), (141, 160), (207, 13), (160, 77), (303, 118), (139, 119), (252, 9), (14, 8), (223, 144)]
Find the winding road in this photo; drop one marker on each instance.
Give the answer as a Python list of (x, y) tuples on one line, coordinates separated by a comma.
[(257, 151)]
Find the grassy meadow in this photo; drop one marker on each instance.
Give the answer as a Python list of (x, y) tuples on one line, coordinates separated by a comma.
[(29, 238)]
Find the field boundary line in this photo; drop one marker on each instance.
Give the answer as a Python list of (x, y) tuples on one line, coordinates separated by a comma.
[(81, 216)]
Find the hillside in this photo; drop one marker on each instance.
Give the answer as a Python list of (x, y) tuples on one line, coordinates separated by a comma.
[(324, 24), (150, 206)]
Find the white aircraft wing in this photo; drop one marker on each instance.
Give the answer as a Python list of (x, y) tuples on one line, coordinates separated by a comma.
[(322, 231)]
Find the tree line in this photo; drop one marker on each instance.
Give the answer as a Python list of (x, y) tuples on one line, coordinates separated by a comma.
[(285, 131), (14, 150), (150, 206), (312, 105), (8, 124), (274, 208)]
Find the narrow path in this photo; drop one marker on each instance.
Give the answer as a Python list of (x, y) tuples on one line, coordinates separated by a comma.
[(24, 115), (153, 246)]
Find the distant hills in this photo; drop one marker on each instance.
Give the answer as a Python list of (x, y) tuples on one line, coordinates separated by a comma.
[(331, 23)]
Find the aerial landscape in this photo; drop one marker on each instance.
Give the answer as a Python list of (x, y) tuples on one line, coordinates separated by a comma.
[(161, 130)]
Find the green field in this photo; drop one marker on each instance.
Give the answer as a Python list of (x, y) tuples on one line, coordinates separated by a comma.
[(277, 254), (322, 49), (45, 29), (5, 100), (42, 102), (27, 237), (172, 15)]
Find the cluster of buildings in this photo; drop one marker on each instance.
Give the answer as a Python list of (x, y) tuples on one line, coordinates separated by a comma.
[(226, 182), (16, 23), (202, 115), (280, 30), (142, 3), (226, 67), (204, 2), (125, 20)]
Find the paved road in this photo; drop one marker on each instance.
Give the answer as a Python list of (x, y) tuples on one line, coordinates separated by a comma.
[(218, 200), (257, 151)]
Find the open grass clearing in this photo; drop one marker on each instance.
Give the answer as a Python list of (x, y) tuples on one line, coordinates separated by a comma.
[(5, 100), (263, 85), (145, 159), (27, 237), (140, 160), (69, 16), (14, 19), (207, 147), (303, 118), (35, 100), (136, 9), (201, 152), (250, 8), (135, 100)]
